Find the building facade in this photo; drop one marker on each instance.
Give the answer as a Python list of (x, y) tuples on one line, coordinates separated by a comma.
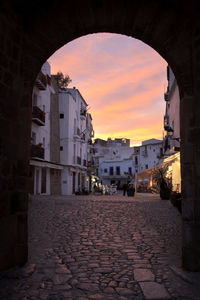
[(118, 163), (172, 131), (151, 154), (75, 133), (172, 115), (44, 165)]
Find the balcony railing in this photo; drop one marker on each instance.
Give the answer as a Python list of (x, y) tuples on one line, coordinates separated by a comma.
[(37, 151), (166, 96), (77, 132), (83, 136), (144, 153), (41, 81), (83, 113), (78, 160), (38, 116)]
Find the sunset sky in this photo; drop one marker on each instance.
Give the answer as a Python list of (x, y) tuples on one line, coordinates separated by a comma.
[(122, 80)]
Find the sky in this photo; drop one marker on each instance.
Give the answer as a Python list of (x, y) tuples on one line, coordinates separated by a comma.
[(122, 80)]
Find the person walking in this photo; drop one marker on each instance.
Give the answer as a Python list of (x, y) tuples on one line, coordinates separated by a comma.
[(125, 189)]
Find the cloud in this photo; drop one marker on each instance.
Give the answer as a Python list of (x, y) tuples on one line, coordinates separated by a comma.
[(122, 80)]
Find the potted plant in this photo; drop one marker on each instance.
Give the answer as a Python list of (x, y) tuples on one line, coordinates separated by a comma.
[(164, 183)]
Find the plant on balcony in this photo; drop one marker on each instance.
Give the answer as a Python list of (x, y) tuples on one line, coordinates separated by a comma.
[(164, 183)]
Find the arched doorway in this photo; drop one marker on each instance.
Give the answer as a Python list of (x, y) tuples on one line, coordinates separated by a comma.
[(31, 32)]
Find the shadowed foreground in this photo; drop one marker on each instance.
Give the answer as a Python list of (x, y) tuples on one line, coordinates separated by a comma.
[(102, 247)]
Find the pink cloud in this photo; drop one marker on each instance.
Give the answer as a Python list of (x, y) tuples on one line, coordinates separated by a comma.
[(122, 80)]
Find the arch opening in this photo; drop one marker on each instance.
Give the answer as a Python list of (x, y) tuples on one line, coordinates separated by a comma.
[(153, 23)]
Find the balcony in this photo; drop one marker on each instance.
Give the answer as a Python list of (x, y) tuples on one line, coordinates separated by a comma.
[(166, 122), (37, 151), (78, 160), (144, 153), (77, 132), (83, 137), (166, 96), (41, 81), (83, 114), (38, 116)]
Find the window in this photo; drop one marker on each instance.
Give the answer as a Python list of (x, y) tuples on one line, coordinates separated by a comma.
[(129, 171), (43, 142), (61, 116), (105, 170), (61, 148), (117, 170), (146, 166), (136, 160), (111, 170)]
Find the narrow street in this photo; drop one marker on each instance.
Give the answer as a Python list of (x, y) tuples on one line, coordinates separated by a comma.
[(102, 247)]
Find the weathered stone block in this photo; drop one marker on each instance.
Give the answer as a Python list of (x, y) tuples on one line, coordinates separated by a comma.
[(143, 275), (154, 290)]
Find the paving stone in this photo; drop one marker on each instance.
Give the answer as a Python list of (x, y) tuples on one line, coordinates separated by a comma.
[(109, 290), (112, 283), (124, 291), (96, 296), (153, 291), (60, 278), (103, 270), (88, 286), (143, 275)]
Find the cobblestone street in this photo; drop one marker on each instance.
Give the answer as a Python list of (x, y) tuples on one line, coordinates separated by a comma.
[(102, 247)]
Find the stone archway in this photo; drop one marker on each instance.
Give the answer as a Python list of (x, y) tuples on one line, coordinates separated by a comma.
[(30, 32)]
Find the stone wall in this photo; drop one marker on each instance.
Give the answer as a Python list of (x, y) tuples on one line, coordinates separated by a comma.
[(31, 31)]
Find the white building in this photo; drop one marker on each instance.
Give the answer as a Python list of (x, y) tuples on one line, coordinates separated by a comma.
[(41, 164), (172, 131), (117, 163), (90, 153), (151, 154), (75, 131), (172, 115)]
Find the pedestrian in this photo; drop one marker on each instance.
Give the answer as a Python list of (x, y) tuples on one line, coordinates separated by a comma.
[(125, 189)]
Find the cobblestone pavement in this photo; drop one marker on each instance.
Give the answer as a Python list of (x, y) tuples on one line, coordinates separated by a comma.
[(102, 247)]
